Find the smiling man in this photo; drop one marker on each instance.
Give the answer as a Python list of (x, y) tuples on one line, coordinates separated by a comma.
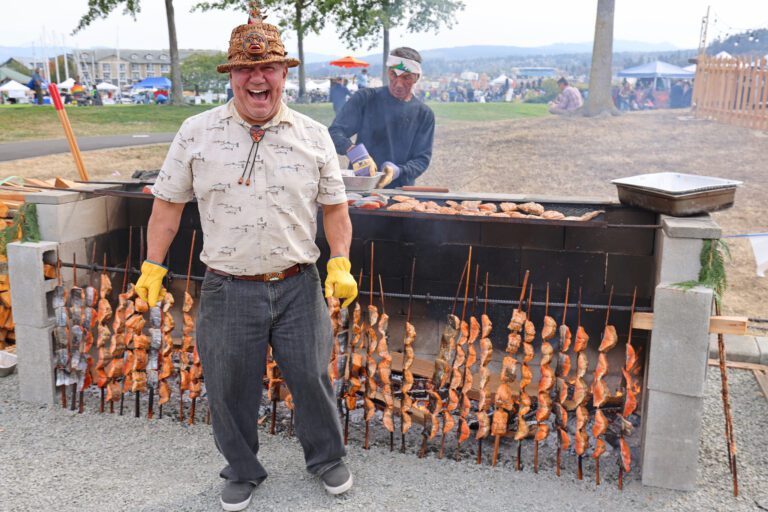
[(259, 171), (394, 129)]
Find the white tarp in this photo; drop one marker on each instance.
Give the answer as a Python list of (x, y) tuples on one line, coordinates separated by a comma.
[(469, 75), (723, 55), (291, 86), (106, 86), (13, 85), (760, 248)]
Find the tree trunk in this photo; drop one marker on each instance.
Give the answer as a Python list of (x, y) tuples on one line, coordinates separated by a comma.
[(300, 39), (600, 100), (177, 95), (384, 76)]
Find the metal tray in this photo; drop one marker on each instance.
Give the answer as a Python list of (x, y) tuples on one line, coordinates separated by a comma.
[(676, 193), (678, 205), (362, 183), (675, 183), (7, 363)]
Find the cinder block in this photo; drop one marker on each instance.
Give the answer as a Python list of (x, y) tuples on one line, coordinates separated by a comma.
[(699, 226), (680, 340), (54, 197), (31, 297), (762, 345), (78, 219), (677, 258), (673, 415), (34, 346), (74, 249), (743, 349), (670, 463)]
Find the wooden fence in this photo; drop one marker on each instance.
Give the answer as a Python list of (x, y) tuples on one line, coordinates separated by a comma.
[(733, 91)]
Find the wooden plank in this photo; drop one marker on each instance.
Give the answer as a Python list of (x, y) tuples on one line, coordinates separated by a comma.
[(717, 324), (762, 380), (739, 365)]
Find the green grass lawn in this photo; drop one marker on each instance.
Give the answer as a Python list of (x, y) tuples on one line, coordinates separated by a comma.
[(28, 122)]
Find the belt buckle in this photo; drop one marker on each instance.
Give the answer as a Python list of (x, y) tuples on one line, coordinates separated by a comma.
[(273, 276)]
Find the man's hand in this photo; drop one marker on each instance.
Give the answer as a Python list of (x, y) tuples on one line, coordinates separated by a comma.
[(391, 173), (361, 161), (150, 284), (340, 283)]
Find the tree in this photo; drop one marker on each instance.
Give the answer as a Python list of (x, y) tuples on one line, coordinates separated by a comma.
[(199, 70), (301, 16), (600, 100), (102, 8), (366, 21)]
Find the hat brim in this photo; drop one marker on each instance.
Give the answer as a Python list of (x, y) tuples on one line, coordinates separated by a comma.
[(226, 68)]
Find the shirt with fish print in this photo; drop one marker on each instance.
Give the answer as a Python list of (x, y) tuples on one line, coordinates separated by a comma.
[(266, 225)]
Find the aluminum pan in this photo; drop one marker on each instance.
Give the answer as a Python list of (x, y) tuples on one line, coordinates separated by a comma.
[(675, 183)]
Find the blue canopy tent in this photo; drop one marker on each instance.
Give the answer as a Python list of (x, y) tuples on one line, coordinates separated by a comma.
[(153, 82), (657, 69), (661, 74)]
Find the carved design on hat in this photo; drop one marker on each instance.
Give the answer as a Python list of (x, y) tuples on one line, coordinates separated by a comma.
[(255, 45)]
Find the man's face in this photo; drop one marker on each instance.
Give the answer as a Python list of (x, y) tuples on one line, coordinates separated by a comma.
[(562, 86), (401, 87), (258, 91)]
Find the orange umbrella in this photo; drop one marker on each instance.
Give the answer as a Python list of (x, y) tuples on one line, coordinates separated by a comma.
[(349, 62)]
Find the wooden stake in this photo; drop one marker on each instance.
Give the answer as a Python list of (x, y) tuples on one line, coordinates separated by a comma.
[(730, 438), (407, 321)]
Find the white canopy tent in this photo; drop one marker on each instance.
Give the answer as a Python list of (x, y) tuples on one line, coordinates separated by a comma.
[(106, 86), (67, 84), (320, 85), (13, 86), (469, 75), (291, 86), (500, 80)]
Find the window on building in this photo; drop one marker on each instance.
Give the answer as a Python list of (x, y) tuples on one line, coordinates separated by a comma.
[(122, 67), (106, 67), (106, 75), (135, 75), (134, 56), (148, 56), (122, 76), (163, 56), (165, 68)]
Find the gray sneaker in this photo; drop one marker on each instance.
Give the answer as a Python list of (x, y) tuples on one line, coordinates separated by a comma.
[(236, 495), (338, 479)]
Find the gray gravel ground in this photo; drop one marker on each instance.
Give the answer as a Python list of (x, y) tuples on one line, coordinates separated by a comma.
[(52, 459)]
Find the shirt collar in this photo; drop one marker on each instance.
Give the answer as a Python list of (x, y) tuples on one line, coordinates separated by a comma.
[(284, 115)]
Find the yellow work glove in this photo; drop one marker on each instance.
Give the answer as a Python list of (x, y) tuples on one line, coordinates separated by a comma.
[(150, 284), (340, 283)]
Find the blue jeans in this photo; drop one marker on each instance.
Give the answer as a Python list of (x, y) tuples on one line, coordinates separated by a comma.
[(236, 321)]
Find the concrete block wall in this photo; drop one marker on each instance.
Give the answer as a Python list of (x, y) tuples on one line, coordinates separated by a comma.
[(676, 365), (31, 296), (70, 223)]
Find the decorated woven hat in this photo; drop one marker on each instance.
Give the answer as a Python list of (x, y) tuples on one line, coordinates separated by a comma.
[(255, 43)]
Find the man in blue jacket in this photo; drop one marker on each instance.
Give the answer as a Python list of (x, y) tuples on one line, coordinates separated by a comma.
[(394, 129)]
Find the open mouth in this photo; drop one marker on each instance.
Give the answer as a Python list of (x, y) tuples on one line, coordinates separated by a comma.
[(258, 95)]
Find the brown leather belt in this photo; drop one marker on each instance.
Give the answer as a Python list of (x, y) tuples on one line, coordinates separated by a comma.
[(263, 278)]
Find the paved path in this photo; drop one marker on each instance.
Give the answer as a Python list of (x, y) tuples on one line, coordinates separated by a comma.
[(33, 148)]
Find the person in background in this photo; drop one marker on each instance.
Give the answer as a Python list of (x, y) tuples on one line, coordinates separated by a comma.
[(36, 84), (362, 79), (395, 130), (338, 94), (568, 101)]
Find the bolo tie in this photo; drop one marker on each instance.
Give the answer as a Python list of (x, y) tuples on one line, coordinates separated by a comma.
[(257, 134)]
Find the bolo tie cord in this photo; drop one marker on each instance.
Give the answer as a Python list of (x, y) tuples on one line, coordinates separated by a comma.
[(256, 133)]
